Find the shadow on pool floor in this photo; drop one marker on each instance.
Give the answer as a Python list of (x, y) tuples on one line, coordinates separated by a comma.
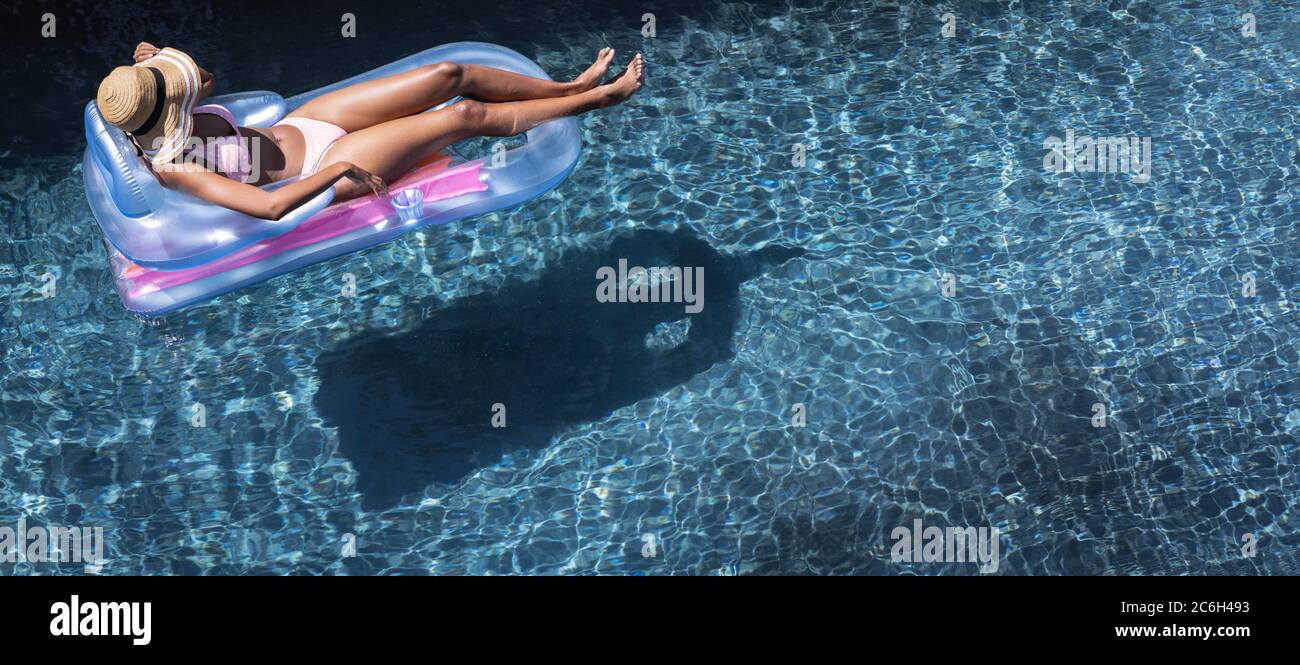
[(416, 408)]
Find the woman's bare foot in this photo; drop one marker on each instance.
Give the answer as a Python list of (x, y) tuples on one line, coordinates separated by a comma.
[(591, 78), (621, 88)]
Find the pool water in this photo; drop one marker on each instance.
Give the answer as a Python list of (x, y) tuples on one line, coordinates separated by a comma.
[(905, 316)]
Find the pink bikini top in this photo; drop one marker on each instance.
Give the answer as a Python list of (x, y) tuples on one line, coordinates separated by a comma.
[(228, 153)]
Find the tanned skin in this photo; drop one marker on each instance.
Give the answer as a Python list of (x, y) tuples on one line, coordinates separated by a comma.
[(389, 132)]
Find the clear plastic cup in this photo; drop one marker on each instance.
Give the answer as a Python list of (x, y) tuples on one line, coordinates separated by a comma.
[(409, 204)]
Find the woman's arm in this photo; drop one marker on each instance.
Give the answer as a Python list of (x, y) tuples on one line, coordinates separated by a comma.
[(257, 202)]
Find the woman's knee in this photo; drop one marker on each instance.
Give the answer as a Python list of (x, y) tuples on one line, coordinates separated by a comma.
[(470, 113), (445, 73)]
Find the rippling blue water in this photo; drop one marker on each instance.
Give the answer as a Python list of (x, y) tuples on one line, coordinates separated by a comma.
[(333, 420)]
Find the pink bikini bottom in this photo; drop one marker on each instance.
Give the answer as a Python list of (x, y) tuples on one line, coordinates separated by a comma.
[(318, 136)]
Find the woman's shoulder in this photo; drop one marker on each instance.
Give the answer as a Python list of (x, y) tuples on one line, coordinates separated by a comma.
[(219, 111)]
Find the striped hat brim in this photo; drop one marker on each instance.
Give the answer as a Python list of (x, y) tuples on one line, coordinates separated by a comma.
[(167, 137)]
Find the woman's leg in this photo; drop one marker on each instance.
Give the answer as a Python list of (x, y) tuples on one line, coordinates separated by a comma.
[(392, 148), (370, 103)]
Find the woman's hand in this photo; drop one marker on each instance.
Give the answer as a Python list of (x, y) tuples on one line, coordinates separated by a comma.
[(374, 182), (144, 51)]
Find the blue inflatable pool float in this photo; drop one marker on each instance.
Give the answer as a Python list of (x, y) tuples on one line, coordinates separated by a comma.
[(169, 249)]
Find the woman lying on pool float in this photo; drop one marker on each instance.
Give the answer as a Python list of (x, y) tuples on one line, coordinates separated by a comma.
[(366, 133)]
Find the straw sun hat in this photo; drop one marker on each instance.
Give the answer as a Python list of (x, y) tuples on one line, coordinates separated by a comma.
[(152, 101)]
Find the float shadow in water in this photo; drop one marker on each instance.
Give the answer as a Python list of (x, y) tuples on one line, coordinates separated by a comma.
[(416, 408)]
